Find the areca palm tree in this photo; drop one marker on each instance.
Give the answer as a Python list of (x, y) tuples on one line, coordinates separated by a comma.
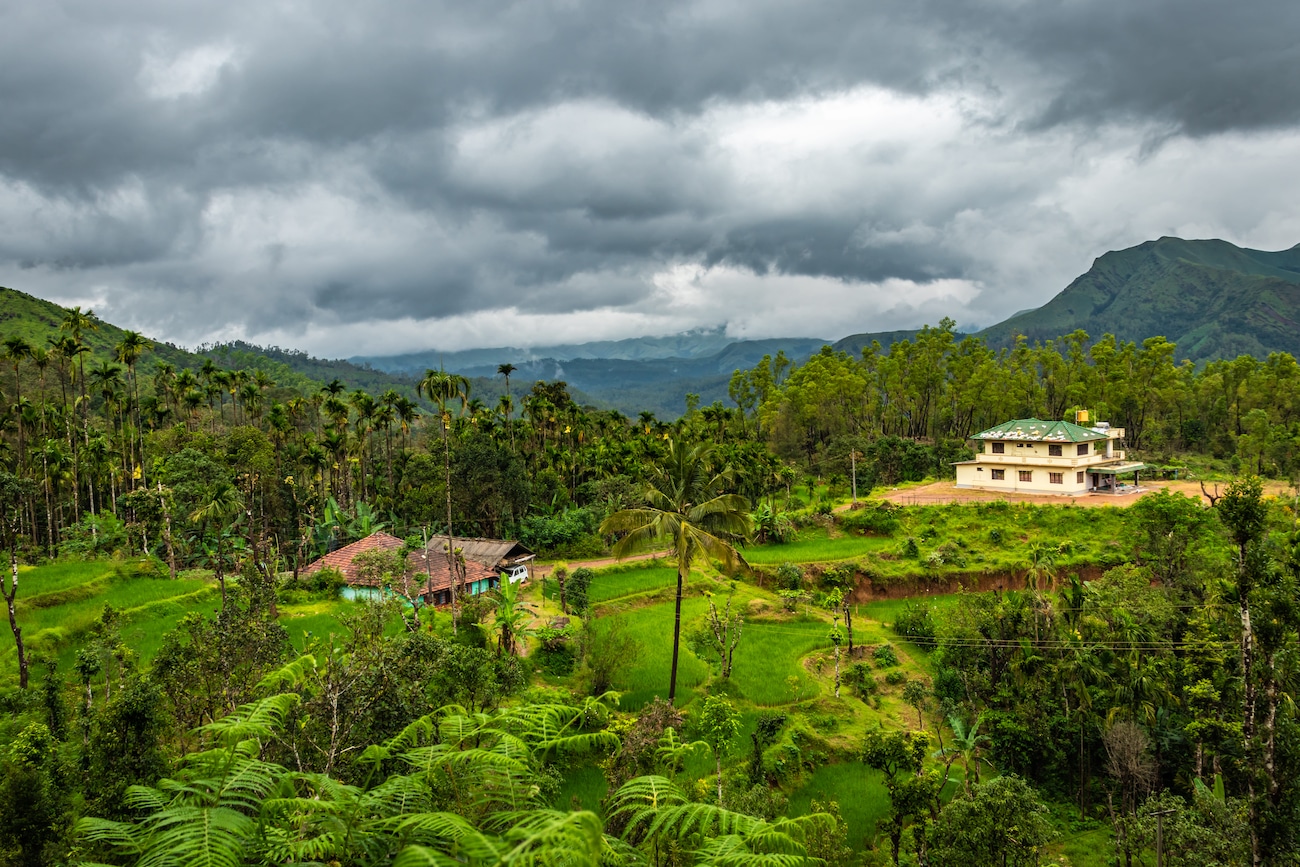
[(442, 387), (128, 351), (505, 370), (17, 350), (688, 508), (222, 503)]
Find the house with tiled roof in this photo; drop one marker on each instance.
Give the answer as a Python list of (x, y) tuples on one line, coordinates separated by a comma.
[(429, 574), (1033, 456)]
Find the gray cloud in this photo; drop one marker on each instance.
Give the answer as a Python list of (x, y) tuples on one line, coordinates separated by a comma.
[(326, 171)]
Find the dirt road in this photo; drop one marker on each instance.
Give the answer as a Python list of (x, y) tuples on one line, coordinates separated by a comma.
[(939, 493)]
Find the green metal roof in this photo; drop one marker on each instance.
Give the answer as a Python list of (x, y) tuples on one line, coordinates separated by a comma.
[(1037, 430)]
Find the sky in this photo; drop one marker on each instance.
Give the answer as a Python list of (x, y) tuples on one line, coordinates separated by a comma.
[(373, 178)]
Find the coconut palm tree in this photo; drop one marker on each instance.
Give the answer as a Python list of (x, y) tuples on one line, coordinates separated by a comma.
[(688, 508)]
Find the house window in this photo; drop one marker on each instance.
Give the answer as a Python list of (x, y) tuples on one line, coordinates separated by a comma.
[(1054, 451), (999, 448), (1026, 475), (1056, 478), (1083, 448), (998, 475), (1078, 478)]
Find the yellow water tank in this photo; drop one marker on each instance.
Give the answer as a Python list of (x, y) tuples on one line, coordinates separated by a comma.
[(1080, 416)]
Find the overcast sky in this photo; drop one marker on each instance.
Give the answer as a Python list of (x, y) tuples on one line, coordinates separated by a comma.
[(370, 178)]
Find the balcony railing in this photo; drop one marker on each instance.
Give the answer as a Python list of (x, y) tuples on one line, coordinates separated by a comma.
[(1079, 461)]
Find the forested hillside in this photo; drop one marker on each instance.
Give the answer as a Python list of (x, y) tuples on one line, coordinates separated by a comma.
[(872, 685), (1211, 298)]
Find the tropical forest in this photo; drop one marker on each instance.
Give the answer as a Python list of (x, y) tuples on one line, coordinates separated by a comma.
[(766, 630)]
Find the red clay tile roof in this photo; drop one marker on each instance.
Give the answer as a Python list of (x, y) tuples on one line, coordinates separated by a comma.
[(342, 558)]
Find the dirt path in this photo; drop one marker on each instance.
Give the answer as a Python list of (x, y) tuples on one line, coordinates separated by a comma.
[(544, 569), (940, 493)]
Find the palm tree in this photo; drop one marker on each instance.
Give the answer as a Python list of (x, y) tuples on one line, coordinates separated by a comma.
[(220, 504), (17, 350), (442, 387), (505, 370), (128, 351), (687, 508)]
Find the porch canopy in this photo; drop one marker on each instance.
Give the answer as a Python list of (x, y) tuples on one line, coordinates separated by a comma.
[(1116, 469)]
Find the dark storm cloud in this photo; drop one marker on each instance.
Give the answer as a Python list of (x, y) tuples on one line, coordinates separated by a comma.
[(251, 166)]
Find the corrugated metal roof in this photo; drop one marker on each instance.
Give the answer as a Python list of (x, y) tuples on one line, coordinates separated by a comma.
[(1037, 430)]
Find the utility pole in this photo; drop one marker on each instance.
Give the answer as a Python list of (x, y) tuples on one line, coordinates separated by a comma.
[(1160, 836)]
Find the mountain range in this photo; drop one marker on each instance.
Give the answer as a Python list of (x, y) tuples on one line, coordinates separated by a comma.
[(1212, 298)]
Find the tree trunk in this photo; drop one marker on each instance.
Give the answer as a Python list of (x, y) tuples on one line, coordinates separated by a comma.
[(677, 638), (167, 523), (10, 594)]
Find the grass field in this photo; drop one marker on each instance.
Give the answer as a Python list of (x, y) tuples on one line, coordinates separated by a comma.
[(58, 605), (816, 545), (860, 792), (617, 583)]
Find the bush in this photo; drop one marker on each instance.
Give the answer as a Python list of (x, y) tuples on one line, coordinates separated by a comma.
[(859, 676), (885, 656), (328, 580), (879, 520), (576, 590), (571, 533), (895, 677), (915, 620), (843, 576), (789, 577)]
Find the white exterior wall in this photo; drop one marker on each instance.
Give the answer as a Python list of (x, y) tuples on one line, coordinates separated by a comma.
[(1035, 458)]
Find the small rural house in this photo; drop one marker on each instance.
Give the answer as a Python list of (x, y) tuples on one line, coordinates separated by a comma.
[(1032, 456), (487, 561)]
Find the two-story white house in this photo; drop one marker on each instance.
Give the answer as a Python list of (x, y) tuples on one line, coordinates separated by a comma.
[(1032, 456)]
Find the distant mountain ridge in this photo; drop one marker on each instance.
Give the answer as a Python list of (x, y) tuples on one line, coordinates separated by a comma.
[(1212, 298), (695, 343)]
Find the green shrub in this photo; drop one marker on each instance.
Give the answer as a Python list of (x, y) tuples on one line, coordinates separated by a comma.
[(859, 676), (789, 577), (915, 620), (878, 520), (895, 677), (885, 656), (571, 533)]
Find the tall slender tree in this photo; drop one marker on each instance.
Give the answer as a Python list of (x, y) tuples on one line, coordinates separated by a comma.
[(688, 508), (505, 370), (128, 351), (442, 387)]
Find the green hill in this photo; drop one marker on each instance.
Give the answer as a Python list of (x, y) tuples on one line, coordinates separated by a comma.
[(1212, 298), (37, 320)]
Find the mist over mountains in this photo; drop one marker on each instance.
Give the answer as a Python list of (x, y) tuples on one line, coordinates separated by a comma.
[(1210, 297)]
